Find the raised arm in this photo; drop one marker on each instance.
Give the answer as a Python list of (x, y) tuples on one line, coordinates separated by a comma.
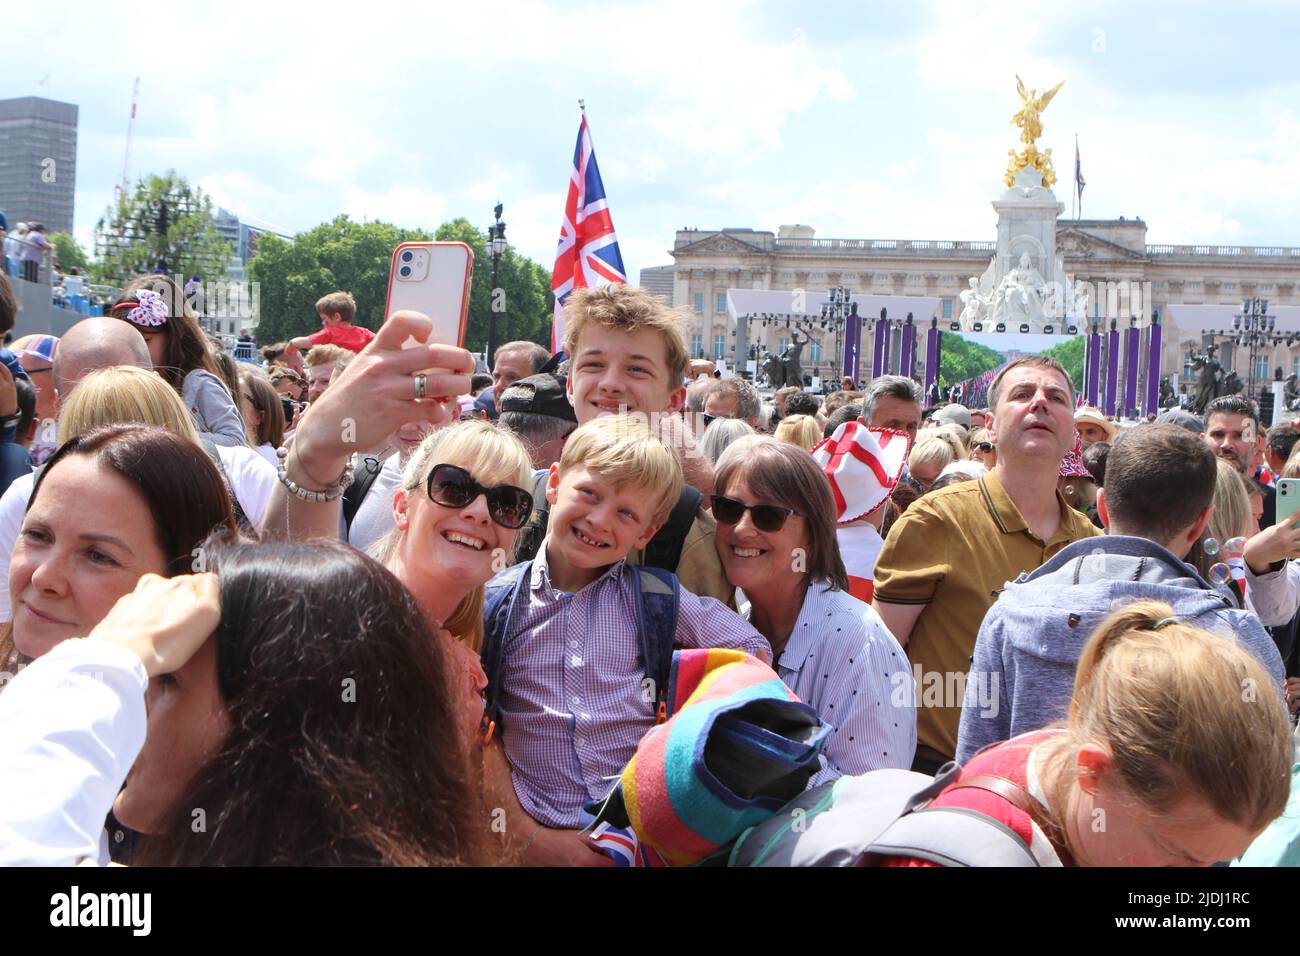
[(364, 404)]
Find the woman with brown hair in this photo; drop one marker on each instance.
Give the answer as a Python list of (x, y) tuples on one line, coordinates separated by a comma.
[(156, 499), (224, 694), (263, 413), (181, 354), (776, 540)]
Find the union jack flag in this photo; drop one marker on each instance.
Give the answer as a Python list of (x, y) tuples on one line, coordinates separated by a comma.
[(588, 253)]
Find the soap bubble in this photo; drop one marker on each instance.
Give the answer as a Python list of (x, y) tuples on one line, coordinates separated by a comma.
[(1235, 547), (1210, 546), (1220, 574)]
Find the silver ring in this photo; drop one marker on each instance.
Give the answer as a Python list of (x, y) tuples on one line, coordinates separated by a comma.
[(421, 386)]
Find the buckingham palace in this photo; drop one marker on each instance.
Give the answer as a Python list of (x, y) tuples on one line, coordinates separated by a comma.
[(1195, 289)]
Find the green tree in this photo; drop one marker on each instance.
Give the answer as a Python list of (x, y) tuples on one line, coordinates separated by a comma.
[(163, 224), (357, 257), (524, 303), (960, 359), (69, 252), (337, 255), (1070, 355)]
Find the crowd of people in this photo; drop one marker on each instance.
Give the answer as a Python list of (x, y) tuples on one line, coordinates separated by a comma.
[(355, 605)]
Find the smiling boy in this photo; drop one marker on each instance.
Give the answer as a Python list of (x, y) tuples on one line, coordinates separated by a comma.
[(571, 683), (627, 354)]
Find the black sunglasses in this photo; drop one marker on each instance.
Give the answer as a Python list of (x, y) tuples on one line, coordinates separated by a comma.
[(452, 487), (769, 518), (710, 419), (984, 446)]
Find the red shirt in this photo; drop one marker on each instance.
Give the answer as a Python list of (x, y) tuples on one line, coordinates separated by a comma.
[(351, 337), (1011, 760)]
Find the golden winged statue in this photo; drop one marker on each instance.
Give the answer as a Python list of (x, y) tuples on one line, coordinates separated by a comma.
[(1031, 127)]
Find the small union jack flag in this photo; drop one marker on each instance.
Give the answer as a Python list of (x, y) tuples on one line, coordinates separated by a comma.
[(588, 253)]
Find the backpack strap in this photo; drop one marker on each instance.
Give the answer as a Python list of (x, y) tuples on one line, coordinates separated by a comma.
[(241, 519), (1024, 801), (665, 549), (954, 836), (658, 597), (499, 597), (531, 535), (360, 487)]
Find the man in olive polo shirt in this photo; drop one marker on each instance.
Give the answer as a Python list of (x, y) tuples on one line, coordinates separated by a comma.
[(953, 550)]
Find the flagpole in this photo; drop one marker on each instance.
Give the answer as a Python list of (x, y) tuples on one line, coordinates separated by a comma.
[(1075, 195)]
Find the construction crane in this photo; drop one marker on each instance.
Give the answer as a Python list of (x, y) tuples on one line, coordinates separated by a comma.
[(125, 184)]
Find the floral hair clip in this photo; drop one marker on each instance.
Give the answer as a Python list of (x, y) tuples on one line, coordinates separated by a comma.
[(148, 312)]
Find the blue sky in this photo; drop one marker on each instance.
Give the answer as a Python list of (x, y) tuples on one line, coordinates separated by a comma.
[(863, 120)]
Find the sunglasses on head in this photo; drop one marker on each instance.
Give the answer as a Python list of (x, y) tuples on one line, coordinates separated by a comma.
[(710, 419), (984, 446), (769, 518), (452, 487)]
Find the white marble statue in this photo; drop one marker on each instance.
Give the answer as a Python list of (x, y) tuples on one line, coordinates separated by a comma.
[(977, 301), (1018, 299)]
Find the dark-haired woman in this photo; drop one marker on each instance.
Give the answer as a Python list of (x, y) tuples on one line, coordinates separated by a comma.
[(156, 499), (776, 541), (181, 354), (310, 729)]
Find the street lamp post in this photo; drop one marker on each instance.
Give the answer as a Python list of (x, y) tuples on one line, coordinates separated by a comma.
[(496, 248), (1255, 330), (836, 312)]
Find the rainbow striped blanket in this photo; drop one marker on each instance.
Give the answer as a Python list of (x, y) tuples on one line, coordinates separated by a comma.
[(737, 747)]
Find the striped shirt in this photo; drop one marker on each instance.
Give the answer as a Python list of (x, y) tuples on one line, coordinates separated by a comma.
[(575, 699), (842, 660)]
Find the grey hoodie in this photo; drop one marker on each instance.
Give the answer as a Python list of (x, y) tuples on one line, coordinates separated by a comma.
[(1022, 672)]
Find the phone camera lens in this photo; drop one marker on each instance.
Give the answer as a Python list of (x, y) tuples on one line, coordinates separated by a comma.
[(407, 256), (404, 271)]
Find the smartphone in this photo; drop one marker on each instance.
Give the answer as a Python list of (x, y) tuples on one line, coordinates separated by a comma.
[(1288, 499), (433, 278)]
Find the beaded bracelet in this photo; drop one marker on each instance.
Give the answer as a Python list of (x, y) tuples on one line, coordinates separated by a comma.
[(334, 491)]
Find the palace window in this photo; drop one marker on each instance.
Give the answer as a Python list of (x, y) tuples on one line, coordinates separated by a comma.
[(1262, 371), (699, 303), (815, 350), (721, 305), (719, 346), (947, 308), (697, 345)]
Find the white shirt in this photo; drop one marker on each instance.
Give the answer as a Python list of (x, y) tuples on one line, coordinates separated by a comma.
[(860, 546), (374, 519), (842, 660), (74, 721), (251, 479)]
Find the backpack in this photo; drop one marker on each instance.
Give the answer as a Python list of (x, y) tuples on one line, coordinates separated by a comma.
[(658, 596), (663, 551), (856, 821), (360, 487)]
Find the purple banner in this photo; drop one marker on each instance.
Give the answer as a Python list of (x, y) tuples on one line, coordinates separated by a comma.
[(1153, 369), (931, 359), (1132, 359), (1091, 369), (852, 346), (887, 348), (1112, 370), (880, 353), (907, 359)]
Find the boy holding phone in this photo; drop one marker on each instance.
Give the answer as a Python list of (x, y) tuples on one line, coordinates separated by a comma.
[(337, 312)]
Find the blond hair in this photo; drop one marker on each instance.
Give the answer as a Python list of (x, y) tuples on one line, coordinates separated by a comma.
[(493, 456), (1182, 712), (621, 450), (326, 355), (1231, 517), (340, 302), (628, 309), (800, 430), (934, 450), (120, 395)]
